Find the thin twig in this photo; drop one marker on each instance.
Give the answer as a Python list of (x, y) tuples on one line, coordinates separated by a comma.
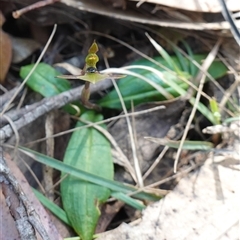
[(100, 122), (7, 96), (134, 128), (48, 171), (39, 4), (32, 70), (156, 184), (29, 113), (32, 173), (211, 56), (134, 150), (156, 162), (15, 130), (59, 181), (22, 99), (130, 130), (179, 174), (3, 88), (229, 92)]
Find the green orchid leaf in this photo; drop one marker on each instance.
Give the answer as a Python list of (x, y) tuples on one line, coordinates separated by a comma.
[(139, 91), (192, 67), (44, 81), (170, 63), (90, 151)]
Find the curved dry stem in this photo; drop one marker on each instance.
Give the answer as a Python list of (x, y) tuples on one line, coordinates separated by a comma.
[(32, 70), (134, 150), (210, 58), (100, 122)]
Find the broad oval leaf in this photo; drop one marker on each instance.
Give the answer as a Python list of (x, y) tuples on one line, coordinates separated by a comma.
[(43, 80), (90, 151)]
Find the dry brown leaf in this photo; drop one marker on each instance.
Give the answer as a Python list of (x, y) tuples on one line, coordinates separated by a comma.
[(23, 48), (5, 51), (196, 5), (133, 15)]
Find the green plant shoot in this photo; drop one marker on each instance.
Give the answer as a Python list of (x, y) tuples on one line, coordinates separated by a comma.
[(90, 74), (215, 110)]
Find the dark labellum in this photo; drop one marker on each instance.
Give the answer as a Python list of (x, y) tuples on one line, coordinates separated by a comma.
[(91, 70)]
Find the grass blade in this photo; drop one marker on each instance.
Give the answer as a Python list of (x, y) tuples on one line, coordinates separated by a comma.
[(113, 185)]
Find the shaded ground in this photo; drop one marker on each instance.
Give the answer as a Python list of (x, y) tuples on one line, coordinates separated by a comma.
[(75, 33)]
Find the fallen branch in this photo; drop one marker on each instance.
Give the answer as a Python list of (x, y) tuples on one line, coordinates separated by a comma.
[(23, 212), (28, 114)]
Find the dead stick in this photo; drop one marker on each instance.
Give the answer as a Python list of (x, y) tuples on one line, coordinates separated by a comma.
[(19, 13), (27, 210), (46, 105)]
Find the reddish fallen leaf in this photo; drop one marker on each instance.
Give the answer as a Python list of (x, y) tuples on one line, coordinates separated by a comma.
[(5, 51)]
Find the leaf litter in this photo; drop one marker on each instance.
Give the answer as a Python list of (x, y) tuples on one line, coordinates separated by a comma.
[(155, 124)]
